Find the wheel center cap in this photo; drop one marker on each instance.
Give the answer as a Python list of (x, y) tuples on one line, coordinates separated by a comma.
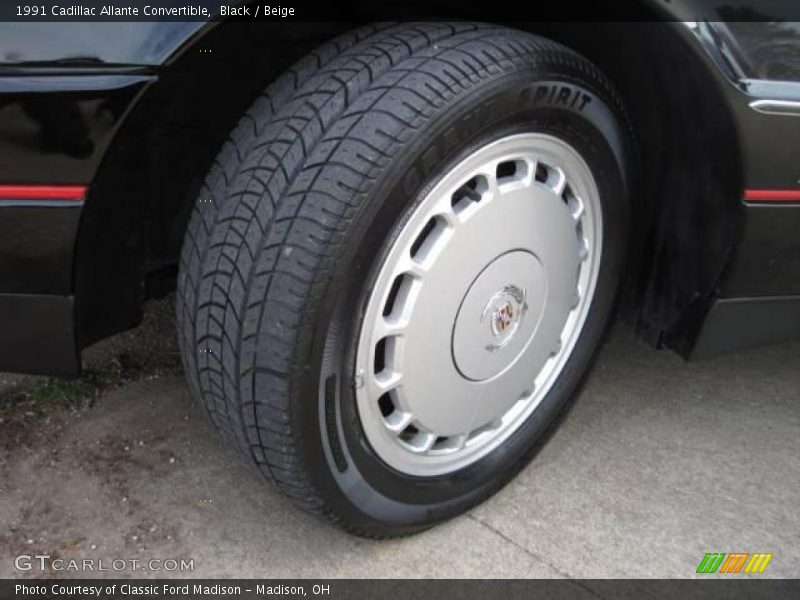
[(489, 336), (504, 313)]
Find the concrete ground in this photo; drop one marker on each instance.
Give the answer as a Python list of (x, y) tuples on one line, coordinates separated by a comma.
[(658, 463)]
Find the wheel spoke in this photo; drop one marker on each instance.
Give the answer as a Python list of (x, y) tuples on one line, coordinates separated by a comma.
[(456, 442), (413, 267), (386, 381), (557, 180), (575, 207), (398, 421), (583, 250), (385, 328), (423, 441)]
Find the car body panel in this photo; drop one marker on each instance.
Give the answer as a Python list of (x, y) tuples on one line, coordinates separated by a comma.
[(57, 134), (76, 44)]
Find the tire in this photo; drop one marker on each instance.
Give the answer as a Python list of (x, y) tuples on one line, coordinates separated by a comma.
[(287, 264)]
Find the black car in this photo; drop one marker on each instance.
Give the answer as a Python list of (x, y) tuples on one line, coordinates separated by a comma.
[(397, 246)]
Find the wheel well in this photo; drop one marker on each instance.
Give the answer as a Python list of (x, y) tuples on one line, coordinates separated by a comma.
[(687, 198), (686, 204), (132, 226)]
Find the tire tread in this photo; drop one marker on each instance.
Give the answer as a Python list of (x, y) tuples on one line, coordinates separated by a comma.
[(275, 207)]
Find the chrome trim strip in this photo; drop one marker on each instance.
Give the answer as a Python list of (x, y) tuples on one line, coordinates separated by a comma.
[(777, 107), (41, 202)]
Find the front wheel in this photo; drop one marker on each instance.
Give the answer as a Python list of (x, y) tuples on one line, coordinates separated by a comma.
[(405, 271)]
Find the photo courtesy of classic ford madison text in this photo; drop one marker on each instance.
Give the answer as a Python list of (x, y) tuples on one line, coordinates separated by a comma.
[(393, 252)]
